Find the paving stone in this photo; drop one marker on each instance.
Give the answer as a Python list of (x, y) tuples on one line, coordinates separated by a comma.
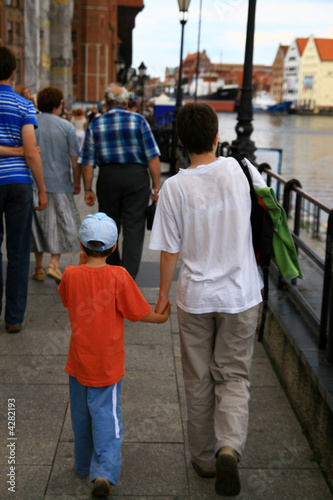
[(274, 435), (149, 357), (33, 370), (267, 484), (31, 482), (147, 333), (34, 402)]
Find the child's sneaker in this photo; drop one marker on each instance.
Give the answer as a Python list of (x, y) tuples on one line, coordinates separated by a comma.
[(101, 488), (227, 476)]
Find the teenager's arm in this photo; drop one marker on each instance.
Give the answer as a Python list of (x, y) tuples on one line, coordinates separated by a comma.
[(168, 263), (153, 317), (11, 151)]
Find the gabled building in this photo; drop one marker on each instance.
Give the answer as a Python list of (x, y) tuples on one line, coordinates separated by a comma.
[(315, 87), (292, 62), (277, 73)]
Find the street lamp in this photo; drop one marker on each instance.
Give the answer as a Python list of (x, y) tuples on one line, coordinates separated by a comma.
[(120, 66), (243, 144), (141, 80), (183, 9)]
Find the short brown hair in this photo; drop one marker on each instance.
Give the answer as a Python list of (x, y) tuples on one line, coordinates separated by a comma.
[(95, 253), (7, 63), (197, 126), (48, 99)]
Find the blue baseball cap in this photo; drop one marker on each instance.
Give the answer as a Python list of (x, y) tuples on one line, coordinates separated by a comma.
[(98, 227)]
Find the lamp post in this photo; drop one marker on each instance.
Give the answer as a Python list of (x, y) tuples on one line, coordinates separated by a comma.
[(183, 9), (141, 80), (120, 66), (243, 144)]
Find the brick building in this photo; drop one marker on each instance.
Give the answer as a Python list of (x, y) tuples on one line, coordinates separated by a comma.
[(101, 35), (11, 34)]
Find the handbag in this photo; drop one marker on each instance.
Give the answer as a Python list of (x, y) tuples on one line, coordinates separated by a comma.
[(150, 214)]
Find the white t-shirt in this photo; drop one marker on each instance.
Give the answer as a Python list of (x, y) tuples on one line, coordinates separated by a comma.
[(205, 213)]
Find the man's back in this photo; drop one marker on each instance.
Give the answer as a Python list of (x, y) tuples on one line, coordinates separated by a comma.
[(15, 112)]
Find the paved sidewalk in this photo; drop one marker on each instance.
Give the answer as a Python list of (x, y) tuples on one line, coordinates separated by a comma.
[(277, 463)]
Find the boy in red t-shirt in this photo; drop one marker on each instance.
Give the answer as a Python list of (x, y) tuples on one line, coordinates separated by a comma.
[(98, 298)]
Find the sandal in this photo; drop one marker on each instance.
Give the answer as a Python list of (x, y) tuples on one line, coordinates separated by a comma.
[(54, 272), (38, 274)]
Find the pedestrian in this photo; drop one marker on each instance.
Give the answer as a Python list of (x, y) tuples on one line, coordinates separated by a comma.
[(17, 169), (80, 124), (204, 212), (26, 93), (98, 298), (55, 230), (121, 143)]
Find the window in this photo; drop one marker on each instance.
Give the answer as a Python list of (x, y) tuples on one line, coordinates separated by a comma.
[(74, 55), (17, 33), (18, 71), (10, 32), (73, 36), (74, 79), (8, 2)]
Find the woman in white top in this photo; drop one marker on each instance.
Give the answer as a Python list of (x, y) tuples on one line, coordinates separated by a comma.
[(204, 212), (80, 123)]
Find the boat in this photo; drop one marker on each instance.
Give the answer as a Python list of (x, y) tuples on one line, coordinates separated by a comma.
[(281, 107), (213, 91)]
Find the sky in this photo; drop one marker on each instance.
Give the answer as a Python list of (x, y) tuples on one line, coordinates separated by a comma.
[(157, 32)]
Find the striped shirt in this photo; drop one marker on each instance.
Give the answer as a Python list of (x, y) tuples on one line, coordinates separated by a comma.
[(15, 112), (118, 136)]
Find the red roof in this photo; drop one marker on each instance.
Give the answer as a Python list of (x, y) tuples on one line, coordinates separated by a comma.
[(325, 48), (301, 42), (284, 48)]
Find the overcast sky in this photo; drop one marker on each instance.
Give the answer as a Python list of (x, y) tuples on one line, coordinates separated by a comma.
[(157, 32)]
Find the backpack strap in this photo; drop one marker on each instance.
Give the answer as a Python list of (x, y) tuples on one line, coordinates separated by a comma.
[(242, 162)]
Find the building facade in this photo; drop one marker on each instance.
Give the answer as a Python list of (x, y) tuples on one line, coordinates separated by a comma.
[(291, 72), (315, 88), (74, 45), (12, 35), (277, 73)]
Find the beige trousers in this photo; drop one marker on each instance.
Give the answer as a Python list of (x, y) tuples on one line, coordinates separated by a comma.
[(216, 353)]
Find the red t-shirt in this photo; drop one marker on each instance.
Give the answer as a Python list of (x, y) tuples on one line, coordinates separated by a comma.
[(98, 300)]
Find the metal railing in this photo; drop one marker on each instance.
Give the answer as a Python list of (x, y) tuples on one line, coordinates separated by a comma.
[(301, 207)]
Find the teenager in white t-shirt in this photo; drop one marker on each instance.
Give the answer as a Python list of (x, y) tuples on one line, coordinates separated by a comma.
[(204, 213)]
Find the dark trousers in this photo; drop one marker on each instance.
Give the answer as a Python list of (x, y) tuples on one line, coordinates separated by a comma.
[(123, 194), (16, 207)]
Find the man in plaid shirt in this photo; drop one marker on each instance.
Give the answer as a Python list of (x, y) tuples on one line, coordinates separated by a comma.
[(121, 143)]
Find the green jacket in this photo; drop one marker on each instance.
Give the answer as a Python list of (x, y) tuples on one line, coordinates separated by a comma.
[(284, 250)]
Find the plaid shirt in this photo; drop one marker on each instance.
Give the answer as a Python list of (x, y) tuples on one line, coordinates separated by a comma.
[(118, 136)]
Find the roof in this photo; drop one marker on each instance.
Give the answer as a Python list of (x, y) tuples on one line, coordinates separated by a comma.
[(284, 48), (301, 42), (325, 48)]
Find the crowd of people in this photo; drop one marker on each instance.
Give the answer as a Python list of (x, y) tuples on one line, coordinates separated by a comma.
[(46, 156)]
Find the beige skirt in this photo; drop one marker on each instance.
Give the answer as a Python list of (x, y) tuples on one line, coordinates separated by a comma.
[(56, 229)]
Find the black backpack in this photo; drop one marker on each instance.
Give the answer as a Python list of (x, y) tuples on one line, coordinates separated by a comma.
[(262, 237)]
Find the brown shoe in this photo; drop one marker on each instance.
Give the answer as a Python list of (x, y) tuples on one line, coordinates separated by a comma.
[(203, 471), (13, 328), (227, 475), (101, 488)]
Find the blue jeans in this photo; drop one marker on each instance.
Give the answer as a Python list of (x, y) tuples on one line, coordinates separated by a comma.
[(98, 429), (16, 205)]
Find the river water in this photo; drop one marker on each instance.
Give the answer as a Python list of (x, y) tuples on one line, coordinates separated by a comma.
[(306, 143)]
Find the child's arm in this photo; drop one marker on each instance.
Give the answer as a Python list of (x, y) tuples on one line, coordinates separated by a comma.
[(153, 317)]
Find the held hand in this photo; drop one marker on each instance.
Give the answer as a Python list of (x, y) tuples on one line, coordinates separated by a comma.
[(77, 188), (42, 200), (167, 310), (90, 198), (161, 305)]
